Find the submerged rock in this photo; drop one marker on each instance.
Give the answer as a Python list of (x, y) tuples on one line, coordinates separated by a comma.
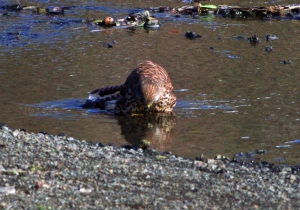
[(253, 39), (192, 35), (271, 37), (269, 48)]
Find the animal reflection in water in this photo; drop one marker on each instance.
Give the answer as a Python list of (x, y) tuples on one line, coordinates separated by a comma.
[(147, 89), (157, 128), (144, 104)]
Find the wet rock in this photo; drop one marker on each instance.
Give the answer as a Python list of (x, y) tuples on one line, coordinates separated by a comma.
[(221, 157), (286, 62), (240, 37), (152, 23), (110, 44), (55, 10), (144, 144), (253, 39), (261, 151), (12, 7), (192, 35), (269, 48), (271, 37)]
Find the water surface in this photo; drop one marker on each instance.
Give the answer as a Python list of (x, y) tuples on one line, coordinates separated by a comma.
[(232, 97)]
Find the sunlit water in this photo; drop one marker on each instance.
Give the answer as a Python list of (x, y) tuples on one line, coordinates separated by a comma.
[(232, 97)]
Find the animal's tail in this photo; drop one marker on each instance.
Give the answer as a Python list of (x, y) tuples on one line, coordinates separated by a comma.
[(106, 90), (99, 97), (99, 102), (110, 97)]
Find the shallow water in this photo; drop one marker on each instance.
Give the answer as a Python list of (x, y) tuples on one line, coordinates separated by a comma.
[(232, 97)]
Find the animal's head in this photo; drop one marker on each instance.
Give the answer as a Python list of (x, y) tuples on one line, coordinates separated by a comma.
[(151, 94)]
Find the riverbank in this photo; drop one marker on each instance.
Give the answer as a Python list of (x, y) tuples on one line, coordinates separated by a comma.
[(41, 171)]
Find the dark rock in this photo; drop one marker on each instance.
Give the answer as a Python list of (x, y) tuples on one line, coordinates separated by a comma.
[(192, 35)]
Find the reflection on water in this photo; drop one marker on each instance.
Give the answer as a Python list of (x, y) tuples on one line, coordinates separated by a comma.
[(232, 97), (157, 128)]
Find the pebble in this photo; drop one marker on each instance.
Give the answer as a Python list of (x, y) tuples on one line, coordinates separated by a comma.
[(269, 48), (7, 190)]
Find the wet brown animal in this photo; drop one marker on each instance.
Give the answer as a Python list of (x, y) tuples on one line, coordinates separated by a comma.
[(147, 89)]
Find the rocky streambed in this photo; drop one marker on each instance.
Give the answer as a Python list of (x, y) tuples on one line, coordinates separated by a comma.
[(41, 171)]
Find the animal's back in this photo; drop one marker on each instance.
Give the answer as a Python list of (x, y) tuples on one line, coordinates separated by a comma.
[(148, 84), (149, 71)]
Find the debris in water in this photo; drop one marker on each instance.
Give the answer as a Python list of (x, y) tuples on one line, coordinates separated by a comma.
[(192, 35)]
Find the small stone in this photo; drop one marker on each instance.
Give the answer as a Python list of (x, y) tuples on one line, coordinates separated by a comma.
[(271, 188), (7, 190), (2, 168), (199, 163), (210, 161), (253, 39), (16, 133), (192, 35), (144, 144), (286, 62), (286, 169), (255, 206), (218, 157), (38, 184), (85, 190), (160, 157), (213, 167), (70, 139), (292, 178), (269, 48)]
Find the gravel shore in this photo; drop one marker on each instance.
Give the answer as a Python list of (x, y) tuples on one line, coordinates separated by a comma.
[(41, 171)]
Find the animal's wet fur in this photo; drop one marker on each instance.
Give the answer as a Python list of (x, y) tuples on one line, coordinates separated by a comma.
[(147, 89)]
